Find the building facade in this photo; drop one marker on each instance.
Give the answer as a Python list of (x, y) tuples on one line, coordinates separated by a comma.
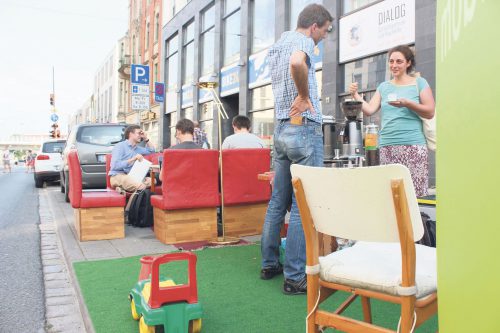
[(144, 48), (227, 41)]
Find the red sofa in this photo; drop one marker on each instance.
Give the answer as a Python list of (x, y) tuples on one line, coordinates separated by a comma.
[(187, 209), (245, 197), (98, 214)]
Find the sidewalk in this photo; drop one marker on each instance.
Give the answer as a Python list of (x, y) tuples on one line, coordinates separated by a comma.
[(137, 241)]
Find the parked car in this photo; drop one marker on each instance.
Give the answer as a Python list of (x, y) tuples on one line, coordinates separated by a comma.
[(48, 162), (92, 142)]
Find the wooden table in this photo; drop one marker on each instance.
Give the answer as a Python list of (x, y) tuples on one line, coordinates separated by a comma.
[(152, 173)]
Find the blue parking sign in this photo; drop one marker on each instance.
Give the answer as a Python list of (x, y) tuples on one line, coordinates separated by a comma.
[(140, 74)]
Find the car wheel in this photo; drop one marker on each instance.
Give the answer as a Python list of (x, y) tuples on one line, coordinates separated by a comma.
[(38, 181), (66, 189)]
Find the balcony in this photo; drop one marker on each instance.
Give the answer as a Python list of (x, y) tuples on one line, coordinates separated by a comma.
[(124, 68)]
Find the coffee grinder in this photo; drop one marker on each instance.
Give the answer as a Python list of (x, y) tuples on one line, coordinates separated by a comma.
[(352, 133)]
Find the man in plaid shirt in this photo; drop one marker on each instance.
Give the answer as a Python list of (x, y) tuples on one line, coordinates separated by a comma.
[(298, 138), (200, 137)]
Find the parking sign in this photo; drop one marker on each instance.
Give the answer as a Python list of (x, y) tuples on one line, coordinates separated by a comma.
[(140, 74), (159, 91)]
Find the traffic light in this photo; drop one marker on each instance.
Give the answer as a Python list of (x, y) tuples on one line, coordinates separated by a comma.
[(52, 99)]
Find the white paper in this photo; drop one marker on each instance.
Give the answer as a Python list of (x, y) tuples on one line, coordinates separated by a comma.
[(139, 170)]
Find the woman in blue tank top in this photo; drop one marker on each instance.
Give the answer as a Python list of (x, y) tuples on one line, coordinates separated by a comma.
[(402, 101)]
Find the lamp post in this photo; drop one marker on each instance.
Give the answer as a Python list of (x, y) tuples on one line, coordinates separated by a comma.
[(221, 114)]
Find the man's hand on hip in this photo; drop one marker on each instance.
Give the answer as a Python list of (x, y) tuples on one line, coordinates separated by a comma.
[(299, 105)]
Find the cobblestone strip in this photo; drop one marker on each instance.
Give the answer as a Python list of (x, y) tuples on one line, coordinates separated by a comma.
[(62, 313)]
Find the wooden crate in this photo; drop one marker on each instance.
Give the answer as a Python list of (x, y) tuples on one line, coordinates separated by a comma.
[(99, 223), (185, 225), (244, 220)]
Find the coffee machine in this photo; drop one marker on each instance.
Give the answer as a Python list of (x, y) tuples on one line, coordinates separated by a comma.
[(352, 133)]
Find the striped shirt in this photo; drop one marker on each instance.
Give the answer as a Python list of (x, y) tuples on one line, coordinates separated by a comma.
[(284, 88)]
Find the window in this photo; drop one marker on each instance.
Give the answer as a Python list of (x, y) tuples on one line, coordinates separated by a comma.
[(156, 72), (188, 113), (263, 24), (262, 113), (172, 73), (157, 27), (133, 49), (188, 54), (231, 32), (173, 122), (296, 7), (206, 120), (368, 72), (147, 36), (350, 5), (208, 41)]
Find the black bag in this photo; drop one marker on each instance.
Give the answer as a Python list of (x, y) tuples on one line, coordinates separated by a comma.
[(139, 212), (429, 237)]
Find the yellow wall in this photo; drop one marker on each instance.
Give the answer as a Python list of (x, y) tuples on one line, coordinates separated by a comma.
[(468, 165)]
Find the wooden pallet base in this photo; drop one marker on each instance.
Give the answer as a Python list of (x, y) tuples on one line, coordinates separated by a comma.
[(185, 225), (99, 223), (244, 220)]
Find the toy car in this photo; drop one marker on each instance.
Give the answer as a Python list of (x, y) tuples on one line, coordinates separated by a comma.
[(161, 305)]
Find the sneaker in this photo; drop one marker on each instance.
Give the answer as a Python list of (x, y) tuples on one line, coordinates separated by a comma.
[(270, 272), (291, 287)]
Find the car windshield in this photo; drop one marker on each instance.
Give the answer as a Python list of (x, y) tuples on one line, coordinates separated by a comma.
[(53, 147), (101, 135)]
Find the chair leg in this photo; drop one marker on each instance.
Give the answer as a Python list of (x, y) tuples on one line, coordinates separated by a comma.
[(312, 299), (407, 313), (367, 310)]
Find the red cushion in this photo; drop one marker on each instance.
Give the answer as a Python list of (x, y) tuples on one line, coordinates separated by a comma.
[(102, 199), (108, 167), (240, 170), (190, 179), (75, 179)]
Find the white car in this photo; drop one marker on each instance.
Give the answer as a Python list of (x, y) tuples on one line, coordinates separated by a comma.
[(48, 162)]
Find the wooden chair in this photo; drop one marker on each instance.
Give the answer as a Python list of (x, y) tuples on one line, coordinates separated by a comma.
[(245, 196), (376, 206), (98, 214)]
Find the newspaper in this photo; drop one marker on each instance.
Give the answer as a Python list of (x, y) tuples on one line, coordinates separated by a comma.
[(139, 170)]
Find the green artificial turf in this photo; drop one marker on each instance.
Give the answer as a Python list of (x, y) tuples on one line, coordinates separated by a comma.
[(233, 296)]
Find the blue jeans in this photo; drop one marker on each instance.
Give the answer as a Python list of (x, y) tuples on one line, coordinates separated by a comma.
[(293, 144)]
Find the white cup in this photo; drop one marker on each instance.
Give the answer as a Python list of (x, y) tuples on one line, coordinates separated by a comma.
[(392, 97)]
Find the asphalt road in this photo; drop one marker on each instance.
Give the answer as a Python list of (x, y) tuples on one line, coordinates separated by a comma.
[(22, 307)]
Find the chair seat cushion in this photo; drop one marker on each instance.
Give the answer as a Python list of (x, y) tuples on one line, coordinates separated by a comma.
[(99, 199), (377, 267)]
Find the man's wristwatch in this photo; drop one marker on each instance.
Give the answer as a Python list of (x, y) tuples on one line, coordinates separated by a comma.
[(147, 140)]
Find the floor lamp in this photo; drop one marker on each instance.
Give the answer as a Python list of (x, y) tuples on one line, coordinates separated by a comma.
[(221, 114)]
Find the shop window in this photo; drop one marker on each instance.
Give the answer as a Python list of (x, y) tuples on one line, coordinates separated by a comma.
[(208, 41), (173, 122), (206, 116), (263, 18), (188, 56), (231, 36), (263, 125), (188, 113), (262, 98), (350, 5), (296, 7)]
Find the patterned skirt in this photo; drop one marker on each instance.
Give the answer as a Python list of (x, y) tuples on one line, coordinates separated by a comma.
[(414, 158)]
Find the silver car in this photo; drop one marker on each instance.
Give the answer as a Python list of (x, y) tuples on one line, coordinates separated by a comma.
[(92, 142)]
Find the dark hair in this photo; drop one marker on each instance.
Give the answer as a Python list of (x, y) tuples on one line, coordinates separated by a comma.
[(130, 129), (241, 121), (313, 13), (407, 53), (185, 126)]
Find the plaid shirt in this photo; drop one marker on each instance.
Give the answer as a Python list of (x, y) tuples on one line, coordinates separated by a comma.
[(199, 136), (284, 88)]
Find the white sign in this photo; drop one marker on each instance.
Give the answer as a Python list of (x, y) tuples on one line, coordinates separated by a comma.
[(140, 102), (377, 28), (140, 89)]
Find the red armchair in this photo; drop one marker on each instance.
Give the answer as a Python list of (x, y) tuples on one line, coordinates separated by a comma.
[(187, 209), (245, 197), (98, 214)]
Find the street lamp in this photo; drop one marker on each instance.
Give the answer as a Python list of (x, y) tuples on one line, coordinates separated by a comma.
[(221, 114)]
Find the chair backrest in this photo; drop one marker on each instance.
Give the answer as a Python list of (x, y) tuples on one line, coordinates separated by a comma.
[(357, 203), (153, 158), (239, 174), (75, 179), (190, 178), (108, 167)]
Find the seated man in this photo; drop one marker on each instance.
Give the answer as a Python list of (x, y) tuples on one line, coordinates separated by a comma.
[(123, 157), (242, 138), (184, 133)]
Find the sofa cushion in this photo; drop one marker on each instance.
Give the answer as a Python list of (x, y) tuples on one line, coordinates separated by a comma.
[(97, 199), (75, 179), (239, 174), (377, 267)]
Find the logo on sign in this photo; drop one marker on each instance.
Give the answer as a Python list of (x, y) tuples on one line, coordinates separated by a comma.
[(140, 74), (139, 89)]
